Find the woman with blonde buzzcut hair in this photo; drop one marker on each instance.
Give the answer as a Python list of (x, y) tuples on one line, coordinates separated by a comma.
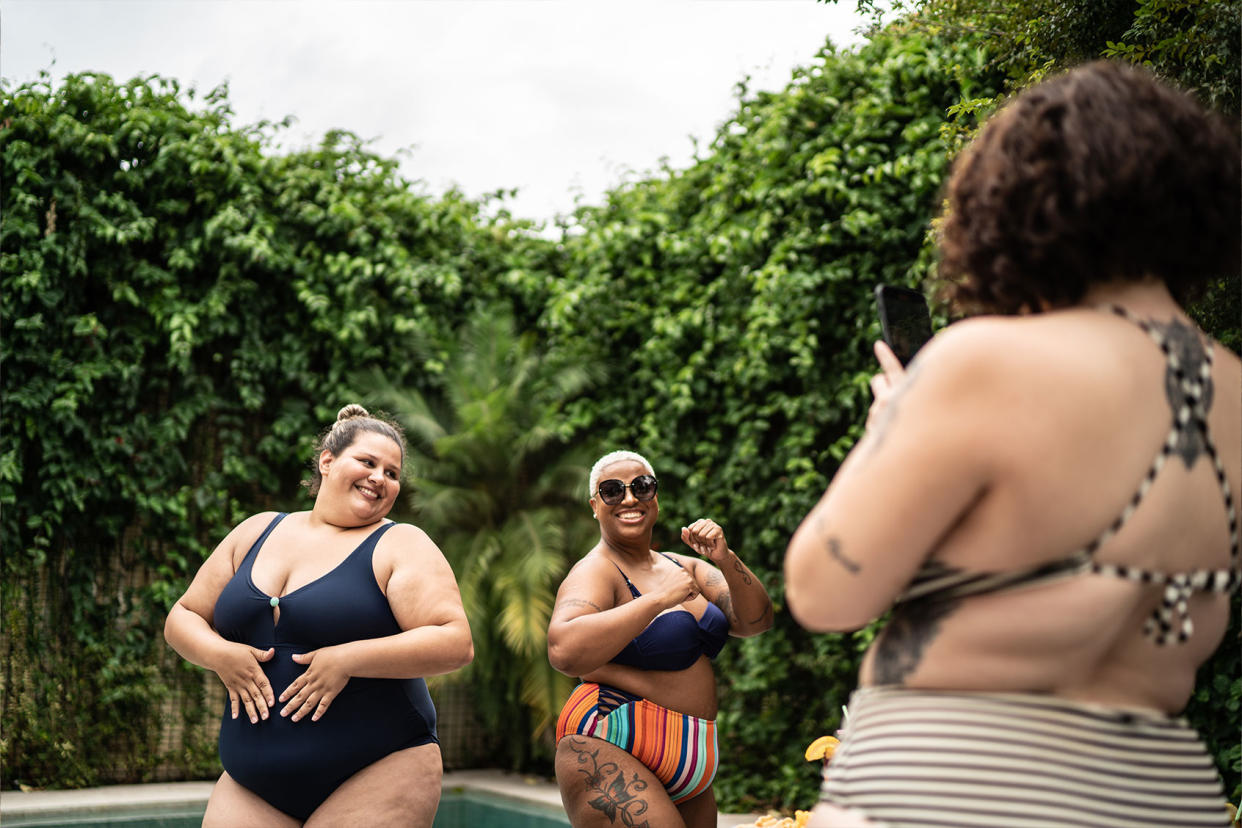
[(636, 740)]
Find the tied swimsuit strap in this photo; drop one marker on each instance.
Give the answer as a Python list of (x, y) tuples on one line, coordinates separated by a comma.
[(1190, 386), (1190, 416)]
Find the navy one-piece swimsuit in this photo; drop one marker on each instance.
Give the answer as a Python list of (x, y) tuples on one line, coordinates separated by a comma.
[(295, 766)]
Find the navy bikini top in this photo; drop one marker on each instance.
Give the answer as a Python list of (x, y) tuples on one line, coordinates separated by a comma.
[(1188, 386), (676, 639)]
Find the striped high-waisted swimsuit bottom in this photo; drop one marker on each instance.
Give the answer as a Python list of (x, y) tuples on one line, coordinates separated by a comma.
[(926, 758), (679, 749)]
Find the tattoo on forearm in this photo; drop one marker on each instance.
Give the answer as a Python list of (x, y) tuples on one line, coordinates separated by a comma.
[(901, 645), (763, 616), (834, 551), (573, 603), (738, 567), (607, 789)]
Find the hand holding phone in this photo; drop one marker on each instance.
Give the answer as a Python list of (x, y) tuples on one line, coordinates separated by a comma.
[(883, 384), (905, 321)]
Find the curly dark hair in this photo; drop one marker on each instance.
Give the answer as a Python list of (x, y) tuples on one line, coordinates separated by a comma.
[(351, 421), (1102, 173)]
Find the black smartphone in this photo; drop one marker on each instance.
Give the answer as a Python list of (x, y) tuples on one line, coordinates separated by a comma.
[(905, 320)]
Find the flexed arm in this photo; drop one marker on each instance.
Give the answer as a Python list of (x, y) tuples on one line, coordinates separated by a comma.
[(587, 629), (728, 583)]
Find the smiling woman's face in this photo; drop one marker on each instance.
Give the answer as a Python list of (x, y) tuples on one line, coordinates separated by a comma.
[(366, 478), (631, 516)]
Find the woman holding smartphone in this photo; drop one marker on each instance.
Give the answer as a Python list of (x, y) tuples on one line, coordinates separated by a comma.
[(636, 741), (1046, 498)]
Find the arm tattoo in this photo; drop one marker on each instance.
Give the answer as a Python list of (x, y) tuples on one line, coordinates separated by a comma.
[(725, 602), (607, 790), (737, 566), (834, 551), (1188, 386), (901, 645), (765, 615), (713, 579)]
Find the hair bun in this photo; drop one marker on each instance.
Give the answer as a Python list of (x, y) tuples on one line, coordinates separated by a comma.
[(350, 411)]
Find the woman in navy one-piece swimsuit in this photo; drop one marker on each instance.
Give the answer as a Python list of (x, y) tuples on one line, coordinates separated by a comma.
[(322, 625)]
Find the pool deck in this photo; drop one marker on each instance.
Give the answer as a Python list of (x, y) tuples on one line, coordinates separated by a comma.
[(191, 795)]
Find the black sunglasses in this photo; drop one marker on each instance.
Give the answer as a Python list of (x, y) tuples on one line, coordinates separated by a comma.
[(612, 492)]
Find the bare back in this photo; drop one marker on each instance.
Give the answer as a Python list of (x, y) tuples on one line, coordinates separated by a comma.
[(1071, 411)]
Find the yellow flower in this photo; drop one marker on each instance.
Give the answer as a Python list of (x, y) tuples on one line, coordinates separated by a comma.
[(822, 748)]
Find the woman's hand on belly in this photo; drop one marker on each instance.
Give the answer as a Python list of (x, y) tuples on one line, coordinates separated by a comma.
[(237, 665), (312, 692), (691, 691)]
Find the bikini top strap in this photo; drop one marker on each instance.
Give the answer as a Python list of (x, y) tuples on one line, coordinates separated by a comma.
[(1190, 392), (633, 590)]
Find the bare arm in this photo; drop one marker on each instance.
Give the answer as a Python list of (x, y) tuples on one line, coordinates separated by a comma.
[(729, 583), (587, 629), (188, 628), (922, 463)]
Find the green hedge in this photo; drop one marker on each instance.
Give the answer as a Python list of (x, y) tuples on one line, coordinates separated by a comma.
[(182, 311)]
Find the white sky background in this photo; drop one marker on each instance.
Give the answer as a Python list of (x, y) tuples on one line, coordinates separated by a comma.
[(557, 98)]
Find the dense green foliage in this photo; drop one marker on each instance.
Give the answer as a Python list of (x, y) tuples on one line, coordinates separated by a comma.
[(499, 484), (181, 314), (182, 308)]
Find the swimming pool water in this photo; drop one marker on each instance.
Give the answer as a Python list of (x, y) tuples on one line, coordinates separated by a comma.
[(476, 810), (458, 809)]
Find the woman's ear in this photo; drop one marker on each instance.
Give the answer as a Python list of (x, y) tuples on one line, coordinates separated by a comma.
[(594, 514), (325, 461)]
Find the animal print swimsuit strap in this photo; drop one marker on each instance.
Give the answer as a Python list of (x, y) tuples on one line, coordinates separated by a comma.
[(1188, 385)]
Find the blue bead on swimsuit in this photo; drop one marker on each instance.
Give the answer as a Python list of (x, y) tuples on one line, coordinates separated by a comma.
[(295, 766)]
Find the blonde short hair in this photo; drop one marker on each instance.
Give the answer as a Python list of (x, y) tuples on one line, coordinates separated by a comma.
[(610, 458)]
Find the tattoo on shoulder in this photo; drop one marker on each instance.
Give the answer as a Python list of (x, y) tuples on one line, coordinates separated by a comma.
[(834, 551), (607, 789), (905, 638), (1187, 387)]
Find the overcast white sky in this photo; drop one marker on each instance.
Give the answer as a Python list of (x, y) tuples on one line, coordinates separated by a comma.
[(557, 98)]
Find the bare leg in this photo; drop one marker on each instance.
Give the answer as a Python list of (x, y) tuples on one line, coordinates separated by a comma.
[(699, 812), (233, 806), (603, 786), (402, 790)]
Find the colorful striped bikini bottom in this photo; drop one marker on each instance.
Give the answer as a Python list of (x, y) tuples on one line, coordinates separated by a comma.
[(679, 749), (927, 758)]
